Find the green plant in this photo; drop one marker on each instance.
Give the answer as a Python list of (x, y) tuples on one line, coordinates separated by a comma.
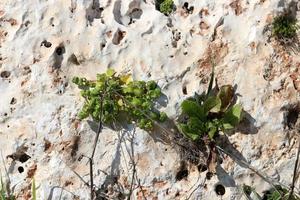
[(165, 6), (33, 190), (279, 193), (285, 26), (207, 114), (275, 193), (4, 194), (117, 96)]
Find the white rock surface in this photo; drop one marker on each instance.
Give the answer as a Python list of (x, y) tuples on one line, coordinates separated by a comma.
[(38, 103)]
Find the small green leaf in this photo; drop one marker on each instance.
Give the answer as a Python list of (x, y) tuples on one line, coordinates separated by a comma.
[(192, 109), (187, 132), (227, 126), (233, 116), (110, 72), (212, 104), (212, 131)]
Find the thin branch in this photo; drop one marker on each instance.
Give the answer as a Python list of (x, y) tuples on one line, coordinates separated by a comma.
[(91, 159), (295, 172), (272, 182)]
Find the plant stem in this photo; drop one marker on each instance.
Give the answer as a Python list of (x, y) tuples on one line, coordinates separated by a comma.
[(295, 173), (91, 159)]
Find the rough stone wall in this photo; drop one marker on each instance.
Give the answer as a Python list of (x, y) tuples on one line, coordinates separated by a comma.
[(43, 44)]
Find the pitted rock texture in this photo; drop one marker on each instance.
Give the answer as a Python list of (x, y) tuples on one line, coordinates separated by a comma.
[(43, 44)]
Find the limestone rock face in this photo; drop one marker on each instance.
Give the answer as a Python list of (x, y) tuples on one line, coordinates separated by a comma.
[(44, 43)]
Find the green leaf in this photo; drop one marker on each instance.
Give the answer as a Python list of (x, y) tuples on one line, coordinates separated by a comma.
[(226, 95), (2, 191), (212, 131), (232, 116), (195, 125), (227, 126), (110, 72), (187, 132), (192, 109), (212, 104), (33, 190)]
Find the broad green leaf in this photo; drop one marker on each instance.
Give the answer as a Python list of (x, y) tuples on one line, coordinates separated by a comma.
[(233, 115), (195, 125), (225, 94), (212, 104), (110, 72), (187, 132), (192, 109)]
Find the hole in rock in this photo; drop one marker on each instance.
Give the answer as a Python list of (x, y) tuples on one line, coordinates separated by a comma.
[(184, 90), (20, 169), (20, 155), (202, 168), (46, 44), (220, 189), (24, 157), (13, 101), (209, 175), (292, 116), (60, 50), (185, 5), (5, 74), (182, 173)]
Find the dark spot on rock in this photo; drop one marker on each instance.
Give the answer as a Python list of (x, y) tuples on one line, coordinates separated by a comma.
[(24, 157), (202, 168), (185, 53), (47, 144), (13, 101), (5, 74), (184, 90), (20, 169), (20, 155), (75, 145), (102, 45), (209, 175), (46, 44), (60, 50), (177, 194), (191, 10), (182, 173), (31, 171), (185, 5), (5, 114), (118, 36), (220, 189), (73, 59), (292, 116)]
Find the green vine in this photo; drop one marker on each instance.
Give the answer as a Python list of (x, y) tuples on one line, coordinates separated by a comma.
[(120, 97)]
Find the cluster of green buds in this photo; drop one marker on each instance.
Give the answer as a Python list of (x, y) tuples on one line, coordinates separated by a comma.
[(115, 95)]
